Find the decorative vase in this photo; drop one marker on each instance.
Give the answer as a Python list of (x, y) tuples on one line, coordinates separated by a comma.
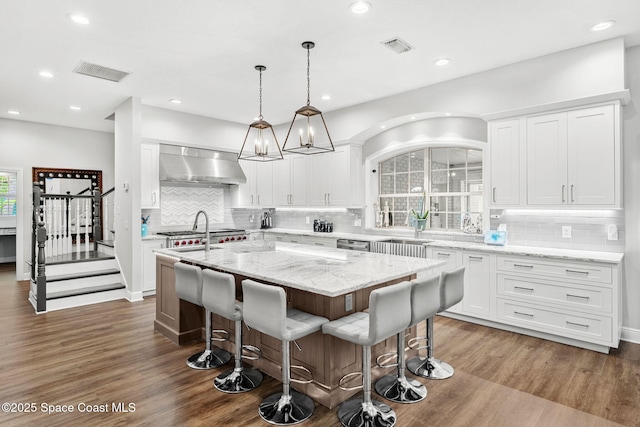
[(421, 224), (143, 230)]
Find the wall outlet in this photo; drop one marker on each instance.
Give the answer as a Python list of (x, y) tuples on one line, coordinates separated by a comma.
[(566, 231), (348, 302), (308, 221), (612, 232)]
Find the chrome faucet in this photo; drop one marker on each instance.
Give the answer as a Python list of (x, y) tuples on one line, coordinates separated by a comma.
[(206, 233)]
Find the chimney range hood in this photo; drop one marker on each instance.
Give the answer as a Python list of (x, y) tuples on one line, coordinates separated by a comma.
[(188, 165)]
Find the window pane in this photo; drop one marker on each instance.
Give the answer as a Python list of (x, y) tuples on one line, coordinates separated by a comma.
[(457, 158), (453, 221), (439, 158), (456, 178), (417, 161), (399, 219), (474, 175), (474, 204), (438, 181), (437, 221), (400, 204), (454, 204), (474, 158), (417, 182), (402, 183), (402, 163), (386, 166), (386, 184)]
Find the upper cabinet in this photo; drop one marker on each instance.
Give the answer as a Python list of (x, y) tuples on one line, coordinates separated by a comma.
[(149, 176), (567, 158), (258, 190), (290, 180), (504, 152), (335, 179)]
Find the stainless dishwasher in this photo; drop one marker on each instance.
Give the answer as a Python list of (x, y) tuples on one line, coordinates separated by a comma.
[(354, 245)]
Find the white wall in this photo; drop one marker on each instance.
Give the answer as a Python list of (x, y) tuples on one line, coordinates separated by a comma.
[(24, 145), (128, 244), (631, 151)]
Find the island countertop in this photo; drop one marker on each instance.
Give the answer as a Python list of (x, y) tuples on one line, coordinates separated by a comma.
[(325, 271)]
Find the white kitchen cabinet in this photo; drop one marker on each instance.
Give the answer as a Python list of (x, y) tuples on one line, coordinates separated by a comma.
[(326, 241), (258, 190), (573, 158), (504, 169), (336, 178), (477, 284), (149, 265), (149, 176), (290, 178), (453, 259)]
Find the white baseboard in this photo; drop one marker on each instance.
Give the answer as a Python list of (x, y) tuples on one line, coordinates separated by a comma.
[(133, 296), (630, 335)]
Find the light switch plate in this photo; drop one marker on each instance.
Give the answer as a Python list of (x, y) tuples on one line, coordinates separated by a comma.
[(566, 231), (348, 302), (612, 232)]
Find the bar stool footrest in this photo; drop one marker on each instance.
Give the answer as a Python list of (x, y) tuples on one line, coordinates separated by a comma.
[(412, 342), (356, 413), (284, 410), (224, 337), (387, 356), (346, 377), (251, 349), (302, 368)]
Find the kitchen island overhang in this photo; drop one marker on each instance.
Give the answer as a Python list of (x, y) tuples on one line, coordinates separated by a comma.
[(324, 281)]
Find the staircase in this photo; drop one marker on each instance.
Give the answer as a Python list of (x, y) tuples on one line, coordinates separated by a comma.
[(81, 278)]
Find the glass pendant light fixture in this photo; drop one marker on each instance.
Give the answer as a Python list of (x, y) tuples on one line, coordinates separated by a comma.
[(260, 132), (308, 133)]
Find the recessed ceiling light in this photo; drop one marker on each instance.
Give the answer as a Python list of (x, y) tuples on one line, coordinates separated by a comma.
[(175, 101), (383, 126), (413, 117), (74, 108), (603, 25), (46, 74), (360, 7), (14, 112), (442, 61), (78, 18), (326, 97)]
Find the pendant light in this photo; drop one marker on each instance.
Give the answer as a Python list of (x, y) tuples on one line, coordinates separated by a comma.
[(260, 132), (308, 133)]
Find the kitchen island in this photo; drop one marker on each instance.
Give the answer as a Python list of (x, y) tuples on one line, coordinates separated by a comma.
[(324, 281)]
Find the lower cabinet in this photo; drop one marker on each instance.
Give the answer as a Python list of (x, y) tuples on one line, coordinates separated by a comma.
[(328, 241), (149, 265), (566, 300)]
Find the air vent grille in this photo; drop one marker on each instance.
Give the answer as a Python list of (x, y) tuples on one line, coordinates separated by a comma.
[(398, 45), (98, 71)]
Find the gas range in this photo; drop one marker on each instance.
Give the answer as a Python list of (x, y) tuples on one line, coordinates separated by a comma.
[(196, 237)]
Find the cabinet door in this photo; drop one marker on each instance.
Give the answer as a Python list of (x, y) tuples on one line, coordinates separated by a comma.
[(592, 153), (452, 259), (299, 180), (319, 179), (149, 264), (504, 149), (282, 181), (149, 177), (547, 159), (338, 173), (477, 284), (244, 194), (264, 183)]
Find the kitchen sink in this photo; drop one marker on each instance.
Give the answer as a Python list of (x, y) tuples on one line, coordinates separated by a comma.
[(405, 241)]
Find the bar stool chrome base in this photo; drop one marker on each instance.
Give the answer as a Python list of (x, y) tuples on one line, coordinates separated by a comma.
[(286, 410), (430, 368), (209, 359), (400, 390), (238, 380), (357, 413)]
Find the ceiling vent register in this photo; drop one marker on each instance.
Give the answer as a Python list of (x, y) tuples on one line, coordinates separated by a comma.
[(398, 45), (100, 72)]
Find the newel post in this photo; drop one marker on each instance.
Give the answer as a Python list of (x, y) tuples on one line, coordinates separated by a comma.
[(97, 226), (41, 279)]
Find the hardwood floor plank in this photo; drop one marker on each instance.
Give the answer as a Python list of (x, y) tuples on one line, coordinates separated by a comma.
[(108, 354)]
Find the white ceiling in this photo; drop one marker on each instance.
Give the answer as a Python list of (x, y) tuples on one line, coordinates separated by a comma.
[(204, 51)]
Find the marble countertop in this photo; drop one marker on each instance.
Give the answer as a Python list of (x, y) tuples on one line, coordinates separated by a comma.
[(332, 235), (325, 271)]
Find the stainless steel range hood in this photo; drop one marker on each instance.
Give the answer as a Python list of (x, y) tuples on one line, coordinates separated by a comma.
[(187, 165)]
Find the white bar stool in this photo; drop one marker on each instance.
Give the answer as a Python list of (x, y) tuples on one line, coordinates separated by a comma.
[(425, 303), (451, 293), (189, 288), (389, 313), (219, 297), (265, 309)]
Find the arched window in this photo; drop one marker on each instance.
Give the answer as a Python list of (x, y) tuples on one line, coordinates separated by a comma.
[(447, 181)]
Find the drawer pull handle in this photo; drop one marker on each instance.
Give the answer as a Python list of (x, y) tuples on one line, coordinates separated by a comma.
[(444, 254), (525, 314), (586, 273), (523, 266), (477, 258), (318, 244), (582, 325), (523, 288), (578, 296)]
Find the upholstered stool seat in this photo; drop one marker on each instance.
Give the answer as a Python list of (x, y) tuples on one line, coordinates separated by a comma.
[(425, 303), (451, 293), (389, 313), (219, 297), (265, 310), (189, 288)]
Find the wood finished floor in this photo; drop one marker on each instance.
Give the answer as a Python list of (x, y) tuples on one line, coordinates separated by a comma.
[(108, 353)]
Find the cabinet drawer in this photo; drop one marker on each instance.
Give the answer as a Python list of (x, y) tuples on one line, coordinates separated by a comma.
[(567, 295), (536, 267), (449, 256), (578, 326)]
